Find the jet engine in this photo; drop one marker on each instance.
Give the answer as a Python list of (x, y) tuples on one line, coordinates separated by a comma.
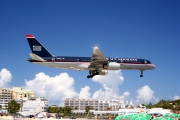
[(114, 66), (102, 72)]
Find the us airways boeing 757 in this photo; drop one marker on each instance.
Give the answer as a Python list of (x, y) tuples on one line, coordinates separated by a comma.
[(97, 64)]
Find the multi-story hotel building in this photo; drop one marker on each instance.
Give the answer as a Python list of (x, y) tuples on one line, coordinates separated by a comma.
[(80, 104), (21, 93), (5, 97), (30, 103)]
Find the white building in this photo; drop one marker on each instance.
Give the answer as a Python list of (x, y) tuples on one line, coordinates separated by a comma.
[(158, 111), (33, 106), (80, 104)]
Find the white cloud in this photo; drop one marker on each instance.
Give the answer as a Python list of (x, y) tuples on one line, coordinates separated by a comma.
[(84, 93), (56, 88), (61, 87), (176, 97), (113, 79), (145, 95), (110, 84), (127, 94), (5, 77)]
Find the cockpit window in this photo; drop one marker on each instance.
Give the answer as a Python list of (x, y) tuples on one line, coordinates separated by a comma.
[(148, 62)]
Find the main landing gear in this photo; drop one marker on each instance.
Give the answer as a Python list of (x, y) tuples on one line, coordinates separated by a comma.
[(141, 75), (90, 76), (92, 73)]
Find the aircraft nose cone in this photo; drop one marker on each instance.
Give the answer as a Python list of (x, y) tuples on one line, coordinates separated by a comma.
[(153, 66)]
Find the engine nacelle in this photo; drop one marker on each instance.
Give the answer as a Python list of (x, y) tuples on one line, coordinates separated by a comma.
[(113, 66), (102, 72)]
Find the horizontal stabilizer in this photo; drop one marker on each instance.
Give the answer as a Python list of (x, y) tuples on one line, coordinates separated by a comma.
[(36, 57)]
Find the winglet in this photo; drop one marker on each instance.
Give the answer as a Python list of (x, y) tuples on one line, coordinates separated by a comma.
[(29, 36)]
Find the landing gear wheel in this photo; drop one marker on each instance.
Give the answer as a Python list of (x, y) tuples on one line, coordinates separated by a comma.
[(90, 76), (141, 75)]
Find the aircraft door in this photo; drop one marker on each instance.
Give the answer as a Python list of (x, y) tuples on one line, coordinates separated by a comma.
[(53, 59)]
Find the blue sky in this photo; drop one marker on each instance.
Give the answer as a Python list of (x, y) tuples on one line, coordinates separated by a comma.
[(139, 29)]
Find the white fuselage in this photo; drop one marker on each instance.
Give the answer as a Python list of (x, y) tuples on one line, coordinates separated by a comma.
[(85, 65)]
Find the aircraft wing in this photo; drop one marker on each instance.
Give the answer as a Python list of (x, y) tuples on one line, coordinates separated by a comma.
[(97, 59)]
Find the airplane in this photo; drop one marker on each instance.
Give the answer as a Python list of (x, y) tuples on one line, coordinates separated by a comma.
[(97, 64)]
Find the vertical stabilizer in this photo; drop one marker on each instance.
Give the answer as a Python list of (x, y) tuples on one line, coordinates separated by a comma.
[(36, 47)]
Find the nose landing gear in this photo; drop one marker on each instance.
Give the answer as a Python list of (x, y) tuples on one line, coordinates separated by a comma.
[(141, 75)]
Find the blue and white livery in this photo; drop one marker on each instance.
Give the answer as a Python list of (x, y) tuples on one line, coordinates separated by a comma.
[(98, 64)]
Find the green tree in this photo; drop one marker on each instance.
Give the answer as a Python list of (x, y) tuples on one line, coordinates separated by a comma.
[(165, 104), (67, 110), (131, 107), (1, 109), (52, 109), (59, 110), (13, 106), (149, 106)]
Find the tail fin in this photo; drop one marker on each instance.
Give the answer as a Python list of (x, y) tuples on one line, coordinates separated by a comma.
[(36, 47)]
